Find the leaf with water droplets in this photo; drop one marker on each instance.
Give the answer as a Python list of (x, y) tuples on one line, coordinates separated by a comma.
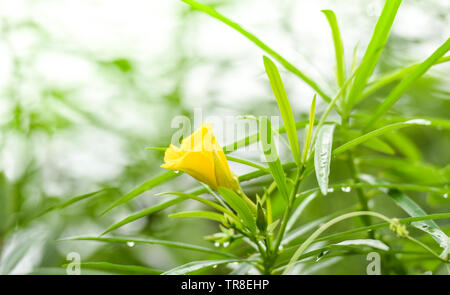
[(132, 242), (198, 265), (322, 156), (376, 244), (428, 226)]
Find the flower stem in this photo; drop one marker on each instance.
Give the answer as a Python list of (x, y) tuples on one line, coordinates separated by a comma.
[(276, 247)]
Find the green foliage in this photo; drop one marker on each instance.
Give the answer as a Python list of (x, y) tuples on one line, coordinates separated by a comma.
[(368, 158)]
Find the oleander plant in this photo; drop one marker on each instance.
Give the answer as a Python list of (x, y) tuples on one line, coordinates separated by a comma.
[(357, 185)]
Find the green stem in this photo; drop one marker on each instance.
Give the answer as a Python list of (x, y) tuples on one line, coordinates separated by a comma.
[(359, 191), (287, 212)]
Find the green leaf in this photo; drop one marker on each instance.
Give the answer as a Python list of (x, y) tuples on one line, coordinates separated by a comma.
[(414, 210), (312, 112), (271, 227), (289, 66), (270, 152), (379, 145), (23, 243), (119, 268), (284, 106), (142, 188), (145, 212), (72, 201), (199, 214), (378, 132), (421, 173), (376, 244), (306, 228), (373, 51), (354, 246), (388, 78), (202, 200), (261, 220), (322, 156), (374, 143), (338, 46), (397, 92), (408, 220), (248, 163), (251, 139), (404, 145), (240, 206), (299, 210), (127, 240), (403, 186), (198, 265)]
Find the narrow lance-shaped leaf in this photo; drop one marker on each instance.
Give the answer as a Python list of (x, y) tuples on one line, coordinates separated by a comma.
[(289, 66), (240, 206), (408, 81), (428, 226), (374, 49), (143, 188), (312, 112), (284, 106), (118, 268), (145, 212), (199, 214), (378, 132), (271, 155), (322, 156), (197, 265), (395, 76), (338, 46), (376, 244), (202, 200), (261, 220), (404, 145), (128, 240), (72, 201)]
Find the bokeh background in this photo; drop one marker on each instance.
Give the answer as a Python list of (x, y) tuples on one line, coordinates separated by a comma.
[(86, 86)]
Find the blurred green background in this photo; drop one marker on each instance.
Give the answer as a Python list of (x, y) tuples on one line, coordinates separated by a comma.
[(86, 86)]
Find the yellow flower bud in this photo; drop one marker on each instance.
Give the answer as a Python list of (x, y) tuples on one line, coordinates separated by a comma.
[(203, 158)]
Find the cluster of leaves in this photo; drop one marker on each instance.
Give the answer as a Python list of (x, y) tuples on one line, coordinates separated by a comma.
[(276, 246), (270, 242)]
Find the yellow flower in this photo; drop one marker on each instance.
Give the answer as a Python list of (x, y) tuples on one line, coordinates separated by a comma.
[(203, 158)]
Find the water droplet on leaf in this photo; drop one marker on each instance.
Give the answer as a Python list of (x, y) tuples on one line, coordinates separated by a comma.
[(346, 189)]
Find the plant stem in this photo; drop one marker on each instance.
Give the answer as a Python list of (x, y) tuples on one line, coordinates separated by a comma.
[(276, 248), (359, 191)]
